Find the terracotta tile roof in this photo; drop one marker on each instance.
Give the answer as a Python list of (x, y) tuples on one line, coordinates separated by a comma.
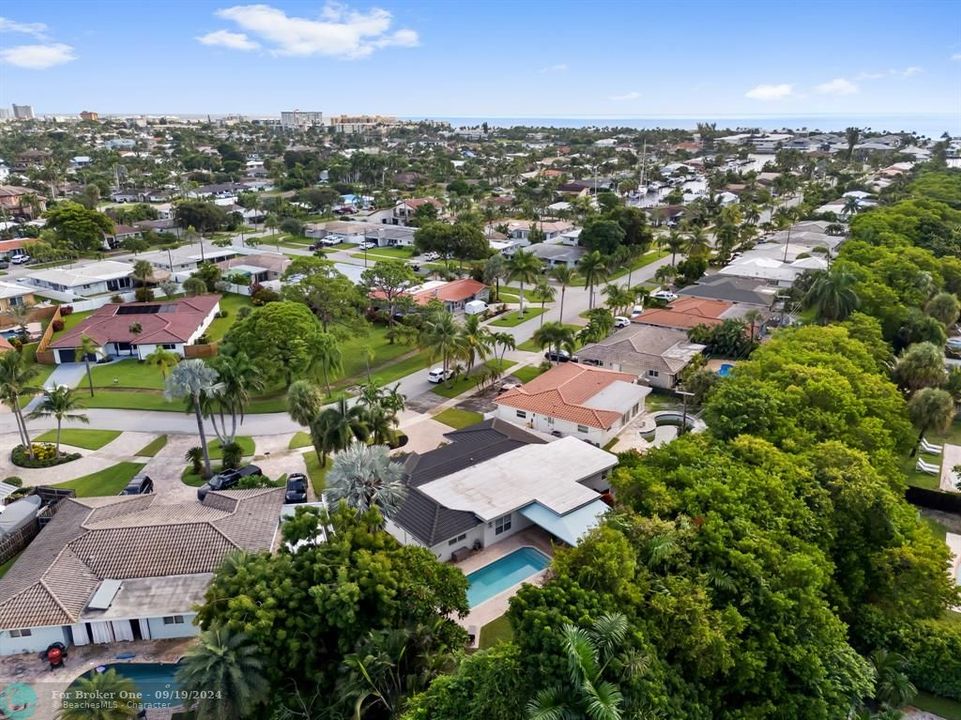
[(92, 539), (686, 313), (5, 344), (454, 291), (175, 323), (562, 391)]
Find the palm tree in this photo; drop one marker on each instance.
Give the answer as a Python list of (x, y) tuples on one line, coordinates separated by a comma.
[(339, 424), (851, 207), (930, 409), (564, 276), (523, 267), (239, 378), (364, 476), (15, 380), (194, 379), (20, 314), (327, 357), (587, 693), (921, 365), (753, 318), (305, 402), (225, 666), (600, 322), (107, 684), (556, 336), (618, 297), (61, 403), (441, 337), (475, 340), (892, 689), (944, 308), (87, 347), (142, 270), (505, 341), (832, 294), (852, 135), (546, 292), (697, 244), (592, 268), (162, 359)]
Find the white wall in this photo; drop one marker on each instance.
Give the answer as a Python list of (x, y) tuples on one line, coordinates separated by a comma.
[(40, 639), (542, 423), (444, 549), (159, 631)]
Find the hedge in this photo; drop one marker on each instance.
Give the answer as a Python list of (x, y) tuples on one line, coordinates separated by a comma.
[(45, 455)]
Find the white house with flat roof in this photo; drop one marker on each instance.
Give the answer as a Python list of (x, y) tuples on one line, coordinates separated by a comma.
[(99, 278), (187, 258)]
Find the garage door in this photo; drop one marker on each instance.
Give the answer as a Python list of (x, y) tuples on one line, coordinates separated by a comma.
[(67, 355)]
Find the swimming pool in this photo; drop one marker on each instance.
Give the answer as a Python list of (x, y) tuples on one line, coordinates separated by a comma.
[(725, 369), (504, 573), (155, 682)]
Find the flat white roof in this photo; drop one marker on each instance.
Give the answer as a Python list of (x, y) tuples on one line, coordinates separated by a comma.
[(84, 274), (548, 474), (619, 396), (9, 290)]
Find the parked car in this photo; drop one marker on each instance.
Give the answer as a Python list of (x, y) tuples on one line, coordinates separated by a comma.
[(665, 295), (20, 259), (140, 485), (559, 356), (226, 480), (439, 375), (296, 488), (4, 264), (621, 322)]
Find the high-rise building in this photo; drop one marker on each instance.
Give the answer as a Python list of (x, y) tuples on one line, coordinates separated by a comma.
[(90, 115), (23, 112), (301, 119)]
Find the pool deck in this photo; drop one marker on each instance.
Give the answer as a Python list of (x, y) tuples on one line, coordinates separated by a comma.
[(51, 684), (954, 545), (496, 606)]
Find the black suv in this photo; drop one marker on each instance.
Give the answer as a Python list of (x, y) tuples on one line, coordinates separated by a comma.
[(140, 485), (226, 480), (296, 488)]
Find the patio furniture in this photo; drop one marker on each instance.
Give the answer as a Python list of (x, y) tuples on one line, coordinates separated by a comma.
[(931, 448), (928, 468)]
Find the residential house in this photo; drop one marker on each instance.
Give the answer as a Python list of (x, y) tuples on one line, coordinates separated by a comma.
[(494, 480), (761, 263), (18, 201), (732, 289), (405, 210), (115, 569), (12, 295), (575, 400), (520, 230), (686, 313), (258, 268), (185, 259), (120, 233), (656, 355), (553, 254), (454, 294), (79, 281), (137, 329)]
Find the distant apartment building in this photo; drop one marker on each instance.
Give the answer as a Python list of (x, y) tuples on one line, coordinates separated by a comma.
[(300, 119), (4, 114), (22, 112), (356, 124), (90, 115)]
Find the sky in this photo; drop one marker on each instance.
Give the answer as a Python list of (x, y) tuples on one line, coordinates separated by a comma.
[(484, 58)]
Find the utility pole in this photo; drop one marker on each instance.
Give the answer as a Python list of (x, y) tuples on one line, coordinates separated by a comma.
[(684, 394)]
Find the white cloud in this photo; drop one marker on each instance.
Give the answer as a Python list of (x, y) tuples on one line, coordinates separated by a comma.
[(37, 30), (560, 67), (227, 39), (956, 57), (632, 95), (770, 92), (837, 86), (909, 71), (339, 31), (37, 57)]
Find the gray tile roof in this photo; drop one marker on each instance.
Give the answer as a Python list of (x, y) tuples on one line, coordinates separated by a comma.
[(639, 348), (732, 289), (425, 518), (91, 539)]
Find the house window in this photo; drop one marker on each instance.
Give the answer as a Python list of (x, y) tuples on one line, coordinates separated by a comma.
[(550, 420), (583, 429), (25, 632), (459, 538), (174, 620), (637, 406), (521, 414), (502, 524), (168, 346), (652, 373)]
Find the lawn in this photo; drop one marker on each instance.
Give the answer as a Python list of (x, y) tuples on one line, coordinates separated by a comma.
[(948, 709), (131, 373), (299, 440), (645, 259), (939, 530), (216, 452), (395, 371), (514, 318), (384, 253), (315, 472), (457, 418), (109, 481), (923, 480), (466, 382), (87, 439), (527, 373), (496, 631), (231, 303), (43, 371), (153, 447), (530, 294)]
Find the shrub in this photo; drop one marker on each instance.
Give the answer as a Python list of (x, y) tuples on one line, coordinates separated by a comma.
[(143, 294), (57, 325), (14, 480), (222, 314), (202, 340), (263, 295), (116, 299), (233, 454), (252, 482), (195, 456), (44, 455), (244, 311), (66, 310)]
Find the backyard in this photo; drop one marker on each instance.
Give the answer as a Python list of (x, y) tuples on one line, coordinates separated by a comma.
[(909, 464)]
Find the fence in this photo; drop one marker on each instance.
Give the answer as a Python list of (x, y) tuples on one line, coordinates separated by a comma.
[(16, 541), (44, 356), (200, 351), (934, 499)]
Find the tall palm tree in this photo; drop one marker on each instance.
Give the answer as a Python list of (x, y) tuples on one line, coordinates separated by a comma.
[(194, 379), (88, 348), (921, 365), (62, 404), (339, 424), (162, 359), (523, 267), (930, 409), (15, 381), (555, 336), (618, 297), (327, 357), (239, 377), (364, 476), (142, 271), (697, 244), (109, 684), (832, 294), (564, 276), (753, 318), (505, 341), (852, 206), (20, 314), (441, 337), (592, 268), (591, 654), (305, 402), (546, 292), (225, 666), (475, 340)]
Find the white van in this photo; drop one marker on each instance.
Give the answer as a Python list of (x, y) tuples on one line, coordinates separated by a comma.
[(475, 307)]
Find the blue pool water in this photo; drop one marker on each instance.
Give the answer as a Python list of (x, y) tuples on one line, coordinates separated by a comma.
[(155, 682), (725, 369), (506, 572)]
